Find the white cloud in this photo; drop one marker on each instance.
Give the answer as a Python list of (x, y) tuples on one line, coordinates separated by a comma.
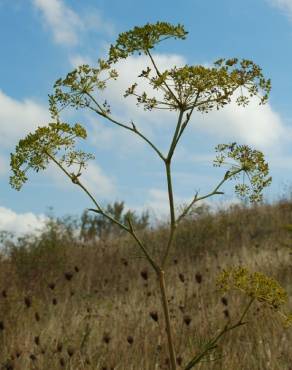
[(63, 21), (128, 70), (125, 109), (157, 203), (255, 125), (93, 177), (97, 181), (284, 5), (77, 60), (66, 25), (18, 118), (20, 223)]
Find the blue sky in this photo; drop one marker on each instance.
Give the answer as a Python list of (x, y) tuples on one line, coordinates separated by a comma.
[(42, 40)]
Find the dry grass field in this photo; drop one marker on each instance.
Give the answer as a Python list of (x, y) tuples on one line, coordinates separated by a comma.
[(66, 305)]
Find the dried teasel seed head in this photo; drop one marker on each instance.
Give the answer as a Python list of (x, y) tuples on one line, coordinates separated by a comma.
[(62, 362), (37, 340), (179, 360), (144, 274), (125, 262), (198, 278), (106, 338), (224, 301), (68, 275), (8, 365), (59, 347), (182, 308), (70, 351), (27, 302), (181, 277), (154, 315), (187, 320), (32, 357)]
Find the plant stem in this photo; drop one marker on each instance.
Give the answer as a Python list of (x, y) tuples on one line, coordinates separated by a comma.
[(172, 212), (99, 210), (132, 128), (167, 320), (212, 344)]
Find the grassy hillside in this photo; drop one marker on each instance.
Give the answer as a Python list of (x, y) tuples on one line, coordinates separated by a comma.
[(66, 304)]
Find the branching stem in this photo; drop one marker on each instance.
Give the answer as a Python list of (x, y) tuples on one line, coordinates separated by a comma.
[(212, 344)]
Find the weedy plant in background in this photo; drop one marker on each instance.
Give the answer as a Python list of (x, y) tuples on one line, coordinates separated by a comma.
[(182, 90)]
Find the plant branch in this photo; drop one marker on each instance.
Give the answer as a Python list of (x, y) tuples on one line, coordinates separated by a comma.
[(99, 210), (159, 75), (167, 320), (132, 129), (174, 139), (212, 344), (188, 116), (214, 192)]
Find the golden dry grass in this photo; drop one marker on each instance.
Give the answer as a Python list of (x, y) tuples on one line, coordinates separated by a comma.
[(63, 306)]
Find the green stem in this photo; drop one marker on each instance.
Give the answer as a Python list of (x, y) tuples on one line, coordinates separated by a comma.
[(167, 320), (132, 129), (99, 210), (164, 83), (172, 213), (175, 136), (214, 192), (212, 344)]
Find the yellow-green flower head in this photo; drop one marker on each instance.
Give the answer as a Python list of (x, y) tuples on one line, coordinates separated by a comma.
[(47, 142), (248, 161), (141, 39), (287, 320), (256, 285)]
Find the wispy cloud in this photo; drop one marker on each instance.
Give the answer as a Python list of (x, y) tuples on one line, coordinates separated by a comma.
[(256, 125), (18, 117), (93, 178), (66, 25), (20, 223), (284, 5)]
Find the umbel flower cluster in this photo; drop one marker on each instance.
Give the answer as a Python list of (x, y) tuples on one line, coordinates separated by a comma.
[(183, 89), (257, 286), (249, 162), (54, 142)]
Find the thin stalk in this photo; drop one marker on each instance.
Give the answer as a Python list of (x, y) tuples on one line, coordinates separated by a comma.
[(212, 344), (214, 192), (99, 210), (167, 320), (169, 187), (172, 213), (159, 75), (175, 136), (132, 128)]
